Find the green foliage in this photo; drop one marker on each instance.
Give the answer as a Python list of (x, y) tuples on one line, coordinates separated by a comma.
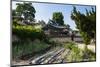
[(26, 10), (28, 32), (75, 54), (78, 55), (58, 18), (22, 48), (13, 13), (88, 54), (86, 23), (70, 45), (86, 37)]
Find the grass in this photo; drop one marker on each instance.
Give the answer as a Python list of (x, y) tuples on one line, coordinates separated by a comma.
[(89, 55), (24, 48), (78, 55), (30, 41)]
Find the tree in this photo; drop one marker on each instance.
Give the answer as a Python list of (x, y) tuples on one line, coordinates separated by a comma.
[(58, 18), (26, 11), (42, 22), (86, 23), (68, 26), (13, 13)]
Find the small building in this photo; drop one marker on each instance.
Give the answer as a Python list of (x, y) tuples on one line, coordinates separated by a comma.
[(55, 30)]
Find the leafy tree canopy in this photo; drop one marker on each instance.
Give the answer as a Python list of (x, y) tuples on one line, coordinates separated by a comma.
[(25, 10), (58, 18), (86, 23)]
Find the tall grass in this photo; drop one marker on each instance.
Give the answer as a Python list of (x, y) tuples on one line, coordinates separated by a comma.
[(24, 48)]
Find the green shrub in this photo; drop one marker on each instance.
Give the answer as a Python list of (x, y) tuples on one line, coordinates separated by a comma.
[(77, 55), (70, 45), (28, 31), (86, 38), (89, 55)]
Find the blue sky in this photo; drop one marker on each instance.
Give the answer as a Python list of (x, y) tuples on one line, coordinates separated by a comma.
[(44, 11)]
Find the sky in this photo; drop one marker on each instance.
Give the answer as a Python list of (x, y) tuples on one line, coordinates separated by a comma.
[(44, 11)]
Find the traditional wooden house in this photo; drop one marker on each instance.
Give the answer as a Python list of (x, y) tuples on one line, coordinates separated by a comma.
[(56, 30)]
